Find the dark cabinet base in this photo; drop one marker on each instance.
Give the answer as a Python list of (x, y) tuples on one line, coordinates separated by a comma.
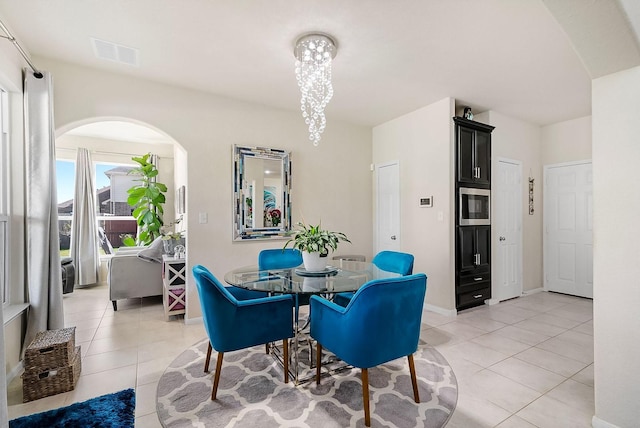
[(473, 298)]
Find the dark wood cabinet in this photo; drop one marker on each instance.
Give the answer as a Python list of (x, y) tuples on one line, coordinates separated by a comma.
[(473, 243), (473, 153), (474, 249)]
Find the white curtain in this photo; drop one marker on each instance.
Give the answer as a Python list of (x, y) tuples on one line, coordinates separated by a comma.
[(84, 229), (44, 278), (4, 413)]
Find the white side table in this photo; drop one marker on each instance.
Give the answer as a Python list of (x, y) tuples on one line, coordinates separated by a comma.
[(174, 286)]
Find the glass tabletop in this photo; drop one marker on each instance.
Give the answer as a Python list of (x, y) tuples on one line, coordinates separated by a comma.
[(340, 276)]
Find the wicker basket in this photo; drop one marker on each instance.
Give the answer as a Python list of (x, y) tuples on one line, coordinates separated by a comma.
[(50, 349), (43, 383)]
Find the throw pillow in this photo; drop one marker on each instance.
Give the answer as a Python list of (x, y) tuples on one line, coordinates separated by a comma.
[(153, 253)]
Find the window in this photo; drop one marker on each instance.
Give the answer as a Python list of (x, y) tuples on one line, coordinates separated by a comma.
[(112, 211), (4, 196)]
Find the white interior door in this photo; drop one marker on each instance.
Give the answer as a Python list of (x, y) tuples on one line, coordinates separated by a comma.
[(507, 230), (568, 226), (388, 207)]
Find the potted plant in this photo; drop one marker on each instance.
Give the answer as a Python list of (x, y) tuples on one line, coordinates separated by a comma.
[(147, 199), (170, 238), (314, 243)]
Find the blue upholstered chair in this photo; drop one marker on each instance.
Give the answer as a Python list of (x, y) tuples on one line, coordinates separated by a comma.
[(235, 319), (390, 261), (381, 323), (279, 259)]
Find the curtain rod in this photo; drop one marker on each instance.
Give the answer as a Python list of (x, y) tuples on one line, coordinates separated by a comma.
[(13, 40)]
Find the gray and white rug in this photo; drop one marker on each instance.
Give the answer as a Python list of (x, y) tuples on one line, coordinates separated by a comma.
[(251, 393)]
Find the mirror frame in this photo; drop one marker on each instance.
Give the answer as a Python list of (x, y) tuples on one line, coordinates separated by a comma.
[(240, 231)]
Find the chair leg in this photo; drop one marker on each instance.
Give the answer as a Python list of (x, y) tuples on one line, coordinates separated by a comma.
[(216, 376), (365, 397), (115, 305), (285, 355), (266, 348), (414, 381), (318, 361), (206, 362)]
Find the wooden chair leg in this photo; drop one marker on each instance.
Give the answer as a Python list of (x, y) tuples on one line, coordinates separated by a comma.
[(285, 355), (206, 362), (365, 397), (318, 361), (216, 376), (266, 348), (414, 381)]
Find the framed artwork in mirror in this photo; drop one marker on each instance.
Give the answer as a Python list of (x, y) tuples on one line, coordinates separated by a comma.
[(261, 193)]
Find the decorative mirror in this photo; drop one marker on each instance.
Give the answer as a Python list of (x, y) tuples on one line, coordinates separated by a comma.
[(261, 193)]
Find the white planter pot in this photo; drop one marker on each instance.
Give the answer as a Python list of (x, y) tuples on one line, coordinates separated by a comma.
[(313, 262)]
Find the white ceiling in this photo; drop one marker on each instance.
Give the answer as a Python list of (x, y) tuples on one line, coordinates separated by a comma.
[(393, 57)]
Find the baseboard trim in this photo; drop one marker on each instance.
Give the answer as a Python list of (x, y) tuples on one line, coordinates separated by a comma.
[(596, 422), (534, 291), (15, 372), (191, 321), (441, 311)]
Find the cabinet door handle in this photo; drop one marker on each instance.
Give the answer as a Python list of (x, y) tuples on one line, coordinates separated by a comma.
[(478, 279), (477, 259), (476, 172), (477, 296)]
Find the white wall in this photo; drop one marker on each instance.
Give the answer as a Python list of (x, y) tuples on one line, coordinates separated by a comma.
[(567, 141), (616, 155), (518, 140), (422, 143), (331, 182)]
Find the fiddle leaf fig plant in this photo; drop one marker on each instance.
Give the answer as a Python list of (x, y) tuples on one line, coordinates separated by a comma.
[(147, 199), (313, 239)]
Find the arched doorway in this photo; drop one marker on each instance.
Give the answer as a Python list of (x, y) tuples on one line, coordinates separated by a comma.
[(112, 143)]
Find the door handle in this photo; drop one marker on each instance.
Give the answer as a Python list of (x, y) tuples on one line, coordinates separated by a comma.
[(477, 259), (476, 172), (393, 238)]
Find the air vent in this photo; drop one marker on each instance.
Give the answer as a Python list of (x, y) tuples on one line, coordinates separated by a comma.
[(115, 52)]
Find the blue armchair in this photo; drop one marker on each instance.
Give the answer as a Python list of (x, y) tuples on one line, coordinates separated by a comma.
[(390, 261), (381, 323), (235, 319), (279, 259)]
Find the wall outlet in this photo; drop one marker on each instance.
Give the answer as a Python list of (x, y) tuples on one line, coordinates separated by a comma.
[(203, 218)]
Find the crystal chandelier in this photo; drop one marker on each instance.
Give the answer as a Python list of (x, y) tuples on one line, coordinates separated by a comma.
[(314, 53)]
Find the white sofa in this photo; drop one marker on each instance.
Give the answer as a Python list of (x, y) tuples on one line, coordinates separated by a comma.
[(130, 276)]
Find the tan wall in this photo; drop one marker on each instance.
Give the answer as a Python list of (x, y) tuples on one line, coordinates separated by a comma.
[(331, 182), (422, 143), (567, 141), (616, 294)]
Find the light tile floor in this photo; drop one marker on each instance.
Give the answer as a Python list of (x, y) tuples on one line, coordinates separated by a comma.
[(527, 362)]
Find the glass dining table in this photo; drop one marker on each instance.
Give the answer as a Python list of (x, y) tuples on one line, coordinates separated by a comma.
[(338, 277)]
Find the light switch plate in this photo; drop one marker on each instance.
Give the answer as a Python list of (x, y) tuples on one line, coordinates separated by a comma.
[(203, 218)]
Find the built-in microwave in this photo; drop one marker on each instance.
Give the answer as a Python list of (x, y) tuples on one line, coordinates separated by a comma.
[(474, 207)]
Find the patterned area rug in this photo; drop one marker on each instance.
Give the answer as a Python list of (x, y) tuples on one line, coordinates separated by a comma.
[(251, 393)]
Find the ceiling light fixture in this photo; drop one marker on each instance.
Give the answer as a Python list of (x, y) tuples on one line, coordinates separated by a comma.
[(314, 53)]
